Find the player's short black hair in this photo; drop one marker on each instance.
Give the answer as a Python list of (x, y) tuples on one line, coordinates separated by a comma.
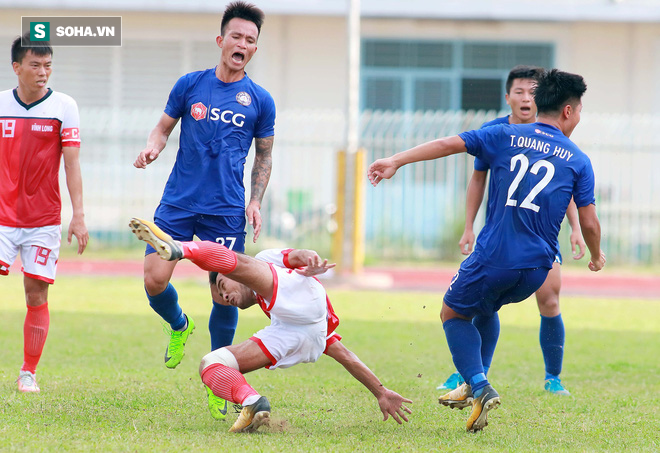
[(18, 51), (555, 89), (521, 72), (242, 10)]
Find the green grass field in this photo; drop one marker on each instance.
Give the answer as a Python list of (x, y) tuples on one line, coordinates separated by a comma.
[(105, 388)]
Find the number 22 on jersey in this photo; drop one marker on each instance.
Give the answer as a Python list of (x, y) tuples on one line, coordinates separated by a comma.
[(527, 203)]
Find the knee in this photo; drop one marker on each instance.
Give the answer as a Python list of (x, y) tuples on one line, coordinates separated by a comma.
[(35, 299), (549, 306), (221, 356), (154, 284)]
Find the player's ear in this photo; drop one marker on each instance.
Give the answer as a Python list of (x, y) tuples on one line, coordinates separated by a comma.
[(218, 41)]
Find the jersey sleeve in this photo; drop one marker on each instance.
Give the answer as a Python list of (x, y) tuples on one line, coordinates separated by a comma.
[(278, 257), (480, 165), (483, 143), (266, 122), (70, 129), (176, 103), (583, 190)]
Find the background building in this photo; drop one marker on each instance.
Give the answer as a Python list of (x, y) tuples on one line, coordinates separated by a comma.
[(428, 68)]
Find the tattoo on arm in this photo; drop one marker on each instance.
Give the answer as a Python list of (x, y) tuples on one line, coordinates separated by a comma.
[(263, 163)]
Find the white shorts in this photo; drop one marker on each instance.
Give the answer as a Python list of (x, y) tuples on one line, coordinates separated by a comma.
[(287, 344), (39, 247)]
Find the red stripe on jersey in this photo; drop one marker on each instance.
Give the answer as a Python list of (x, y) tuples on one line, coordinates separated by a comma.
[(285, 258), (30, 154), (262, 301)]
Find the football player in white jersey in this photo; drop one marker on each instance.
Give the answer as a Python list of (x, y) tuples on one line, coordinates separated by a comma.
[(38, 127), (302, 325)]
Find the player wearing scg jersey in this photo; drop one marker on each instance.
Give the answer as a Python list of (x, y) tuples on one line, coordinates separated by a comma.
[(38, 127), (302, 328), (536, 170), (519, 96), (222, 111)]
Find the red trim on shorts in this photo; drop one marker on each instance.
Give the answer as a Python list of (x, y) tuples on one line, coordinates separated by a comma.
[(38, 277), (285, 260), (4, 271), (332, 339), (265, 350)]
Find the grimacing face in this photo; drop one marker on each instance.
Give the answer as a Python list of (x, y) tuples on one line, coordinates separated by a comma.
[(239, 43), (521, 100), (233, 293)]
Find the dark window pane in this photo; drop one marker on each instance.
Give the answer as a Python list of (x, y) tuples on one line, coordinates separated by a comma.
[(483, 56), (432, 95), (383, 94), (533, 55), (505, 56), (481, 94), (385, 54), (431, 55)]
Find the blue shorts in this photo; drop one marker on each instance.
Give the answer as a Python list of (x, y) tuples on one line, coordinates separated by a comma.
[(182, 225), (481, 290), (558, 258)]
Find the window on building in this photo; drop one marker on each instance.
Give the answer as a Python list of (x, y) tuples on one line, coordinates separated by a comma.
[(442, 75)]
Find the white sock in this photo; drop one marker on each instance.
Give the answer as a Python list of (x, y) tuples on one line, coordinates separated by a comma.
[(250, 400)]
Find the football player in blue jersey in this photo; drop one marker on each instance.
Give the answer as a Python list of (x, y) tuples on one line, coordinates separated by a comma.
[(519, 96), (222, 111), (536, 170)]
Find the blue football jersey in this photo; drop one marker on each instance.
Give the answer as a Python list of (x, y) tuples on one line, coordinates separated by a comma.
[(218, 123), (535, 170), (479, 164)]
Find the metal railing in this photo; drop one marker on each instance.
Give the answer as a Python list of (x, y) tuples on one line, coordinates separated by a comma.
[(419, 214)]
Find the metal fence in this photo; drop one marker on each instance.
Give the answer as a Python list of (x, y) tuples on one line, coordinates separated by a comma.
[(418, 214)]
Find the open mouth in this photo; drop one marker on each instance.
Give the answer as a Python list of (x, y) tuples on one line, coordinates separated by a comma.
[(238, 57)]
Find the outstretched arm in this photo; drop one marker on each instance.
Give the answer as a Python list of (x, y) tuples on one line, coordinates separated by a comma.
[(442, 147), (308, 262), (391, 403)]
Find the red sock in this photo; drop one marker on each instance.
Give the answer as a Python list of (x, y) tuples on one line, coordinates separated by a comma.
[(35, 331), (210, 256), (227, 383)]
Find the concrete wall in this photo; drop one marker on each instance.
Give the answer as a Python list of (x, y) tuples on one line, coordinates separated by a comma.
[(302, 60)]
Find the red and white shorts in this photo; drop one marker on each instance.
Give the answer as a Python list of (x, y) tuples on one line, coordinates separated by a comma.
[(287, 344), (39, 247)]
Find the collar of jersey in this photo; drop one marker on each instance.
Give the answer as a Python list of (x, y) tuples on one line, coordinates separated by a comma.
[(29, 106)]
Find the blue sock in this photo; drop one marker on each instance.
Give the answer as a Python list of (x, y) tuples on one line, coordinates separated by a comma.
[(551, 337), (489, 330), (166, 304), (222, 325), (465, 345)]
